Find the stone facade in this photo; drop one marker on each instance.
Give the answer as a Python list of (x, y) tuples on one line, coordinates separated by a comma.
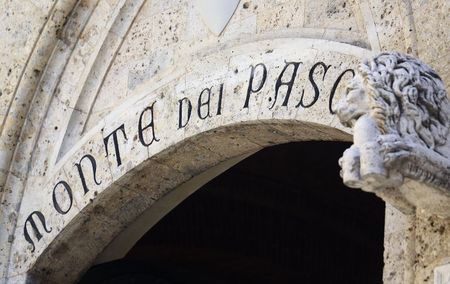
[(97, 96)]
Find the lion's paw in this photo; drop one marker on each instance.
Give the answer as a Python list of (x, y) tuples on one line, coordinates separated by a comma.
[(395, 150)]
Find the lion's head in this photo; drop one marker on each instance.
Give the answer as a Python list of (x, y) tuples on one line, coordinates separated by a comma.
[(403, 95)]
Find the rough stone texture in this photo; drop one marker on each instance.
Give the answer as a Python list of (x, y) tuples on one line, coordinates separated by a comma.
[(432, 245), (93, 168), (72, 71), (428, 28), (399, 252)]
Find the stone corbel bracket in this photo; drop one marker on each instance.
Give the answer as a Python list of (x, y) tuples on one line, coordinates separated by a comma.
[(400, 115)]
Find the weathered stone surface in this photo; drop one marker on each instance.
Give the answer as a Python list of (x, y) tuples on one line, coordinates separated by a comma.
[(431, 245), (167, 134), (72, 72), (427, 29), (399, 251)]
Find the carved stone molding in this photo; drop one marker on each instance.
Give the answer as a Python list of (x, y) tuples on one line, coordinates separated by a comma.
[(400, 114)]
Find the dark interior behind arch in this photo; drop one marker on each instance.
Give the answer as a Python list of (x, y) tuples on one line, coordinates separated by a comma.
[(280, 216)]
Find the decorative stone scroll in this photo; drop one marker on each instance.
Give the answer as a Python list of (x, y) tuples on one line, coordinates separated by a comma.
[(400, 114)]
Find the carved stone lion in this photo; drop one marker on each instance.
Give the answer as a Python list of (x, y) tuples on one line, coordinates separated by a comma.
[(400, 114)]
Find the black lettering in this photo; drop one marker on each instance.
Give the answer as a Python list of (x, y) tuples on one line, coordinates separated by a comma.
[(116, 142), (251, 88), (219, 107), (69, 194), (36, 231), (335, 85), (202, 103), (289, 83), (180, 112), (150, 125), (314, 85), (80, 171)]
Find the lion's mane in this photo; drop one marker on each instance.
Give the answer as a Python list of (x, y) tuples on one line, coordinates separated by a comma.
[(407, 98)]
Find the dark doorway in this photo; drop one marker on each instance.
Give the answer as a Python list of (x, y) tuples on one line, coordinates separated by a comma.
[(280, 216)]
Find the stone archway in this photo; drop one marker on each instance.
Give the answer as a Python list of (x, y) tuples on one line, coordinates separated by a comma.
[(271, 218), (111, 211), (99, 79), (225, 105)]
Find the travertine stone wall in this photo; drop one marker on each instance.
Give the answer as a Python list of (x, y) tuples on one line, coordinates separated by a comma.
[(72, 71)]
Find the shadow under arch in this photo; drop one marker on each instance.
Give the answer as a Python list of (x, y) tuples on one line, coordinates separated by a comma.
[(282, 215), (161, 182)]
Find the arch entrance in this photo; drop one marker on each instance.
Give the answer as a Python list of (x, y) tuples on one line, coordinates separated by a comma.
[(218, 109), (161, 181), (272, 217), (112, 107)]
